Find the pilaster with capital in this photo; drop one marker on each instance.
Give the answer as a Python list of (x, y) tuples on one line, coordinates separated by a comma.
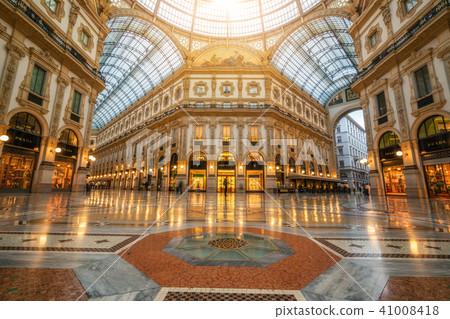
[(240, 141), (3, 129), (386, 12), (16, 51), (213, 87), (240, 86), (73, 16), (63, 83), (396, 84), (90, 116)]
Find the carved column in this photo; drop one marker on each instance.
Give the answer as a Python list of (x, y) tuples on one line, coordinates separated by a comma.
[(396, 84), (73, 16), (79, 178), (240, 86), (16, 51), (63, 83), (87, 134), (42, 183), (213, 87), (3, 129), (386, 12), (186, 86), (268, 90)]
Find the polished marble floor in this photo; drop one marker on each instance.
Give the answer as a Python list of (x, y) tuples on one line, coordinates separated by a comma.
[(347, 246)]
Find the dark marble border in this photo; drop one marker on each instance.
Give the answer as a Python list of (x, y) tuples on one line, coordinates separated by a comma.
[(116, 247), (345, 253), (285, 251)]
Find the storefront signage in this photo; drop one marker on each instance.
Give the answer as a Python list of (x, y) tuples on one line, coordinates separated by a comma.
[(197, 164), (435, 143), (254, 166), (226, 165), (22, 139), (68, 150), (389, 152)]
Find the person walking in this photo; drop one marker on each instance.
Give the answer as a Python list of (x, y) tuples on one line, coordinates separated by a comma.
[(225, 185)]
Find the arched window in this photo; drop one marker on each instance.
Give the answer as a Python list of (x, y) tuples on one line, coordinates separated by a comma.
[(161, 162), (255, 157), (312, 170), (173, 160), (68, 137), (291, 165), (198, 157), (278, 160), (434, 125), (25, 122), (226, 157), (303, 167), (388, 139), (320, 170)]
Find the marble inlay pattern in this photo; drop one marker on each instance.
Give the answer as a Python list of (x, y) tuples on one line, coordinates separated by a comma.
[(389, 248), (64, 241), (278, 251), (221, 294)]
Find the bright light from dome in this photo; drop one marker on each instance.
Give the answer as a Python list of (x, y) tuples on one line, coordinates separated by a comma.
[(226, 5)]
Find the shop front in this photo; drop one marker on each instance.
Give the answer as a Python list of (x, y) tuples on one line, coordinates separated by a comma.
[(434, 147), (20, 153), (226, 168), (160, 174), (173, 172), (197, 172), (65, 161), (305, 183), (279, 168), (255, 172), (392, 164)]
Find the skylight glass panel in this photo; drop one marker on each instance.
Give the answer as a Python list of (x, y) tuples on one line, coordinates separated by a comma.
[(186, 6), (176, 17), (280, 17), (148, 4), (243, 28), (268, 6), (244, 11), (213, 28), (316, 60), (209, 10), (136, 58), (308, 4)]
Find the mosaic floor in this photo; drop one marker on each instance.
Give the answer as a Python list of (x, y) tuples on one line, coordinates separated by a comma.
[(133, 245)]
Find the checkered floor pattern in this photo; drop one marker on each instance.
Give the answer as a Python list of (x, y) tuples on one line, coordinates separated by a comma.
[(218, 296)]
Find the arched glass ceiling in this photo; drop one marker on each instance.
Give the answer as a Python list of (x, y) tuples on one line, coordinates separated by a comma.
[(319, 57), (228, 18), (137, 56)]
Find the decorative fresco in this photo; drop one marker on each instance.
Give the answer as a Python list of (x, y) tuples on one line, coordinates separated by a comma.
[(337, 99), (350, 95), (227, 57)]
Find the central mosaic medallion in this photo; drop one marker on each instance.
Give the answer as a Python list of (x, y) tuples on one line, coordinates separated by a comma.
[(228, 249), (228, 243)]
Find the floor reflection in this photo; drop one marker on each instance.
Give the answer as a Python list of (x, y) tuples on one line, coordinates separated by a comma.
[(108, 208)]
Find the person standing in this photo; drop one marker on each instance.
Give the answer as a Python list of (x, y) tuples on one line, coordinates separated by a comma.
[(225, 185)]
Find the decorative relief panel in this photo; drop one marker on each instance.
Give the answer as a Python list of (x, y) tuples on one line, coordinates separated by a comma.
[(227, 88), (253, 89), (374, 29), (200, 88), (59, 12)]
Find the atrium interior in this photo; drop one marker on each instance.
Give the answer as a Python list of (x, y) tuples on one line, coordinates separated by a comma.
[(271, 150)]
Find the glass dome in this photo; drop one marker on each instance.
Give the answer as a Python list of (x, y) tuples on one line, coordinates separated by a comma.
[(226, 18)]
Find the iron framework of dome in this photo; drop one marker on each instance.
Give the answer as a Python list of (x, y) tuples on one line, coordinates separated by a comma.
[(319, 56)]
